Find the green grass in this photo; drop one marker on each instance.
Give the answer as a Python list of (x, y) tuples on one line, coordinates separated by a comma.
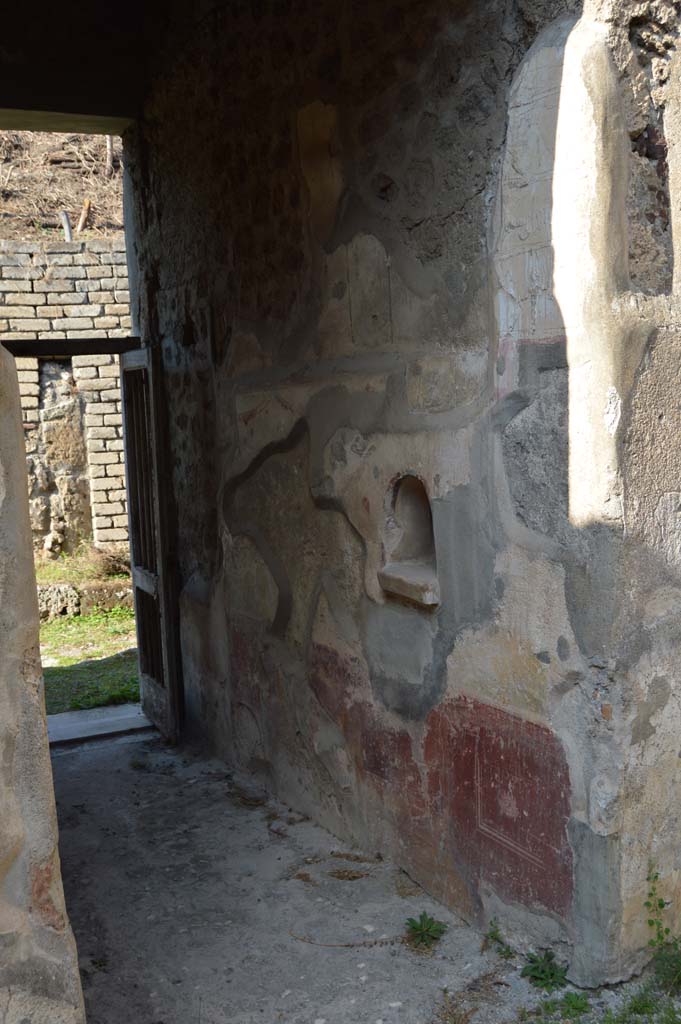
[(85, 565), (89, 660)]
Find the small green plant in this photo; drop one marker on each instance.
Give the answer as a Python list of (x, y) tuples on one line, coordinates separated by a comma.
[(655, 905), (667, 966), (667, 955), (646, 1006), (543, 971), (450, 1012), (493, 937), (643, 1002), (574, 1005), (425, 930)]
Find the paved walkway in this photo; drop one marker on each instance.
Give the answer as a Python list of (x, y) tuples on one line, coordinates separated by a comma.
[(186, 889)]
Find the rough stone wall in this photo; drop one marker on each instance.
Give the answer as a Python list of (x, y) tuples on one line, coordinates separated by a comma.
[(54, 433), (404, 270), (39, 979), (72, 408)]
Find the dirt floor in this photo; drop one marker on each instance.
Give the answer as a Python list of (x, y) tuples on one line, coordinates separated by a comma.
[(43, 173), (196, 901)]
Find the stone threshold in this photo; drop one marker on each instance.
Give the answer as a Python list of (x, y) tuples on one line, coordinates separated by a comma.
[(93, 723)]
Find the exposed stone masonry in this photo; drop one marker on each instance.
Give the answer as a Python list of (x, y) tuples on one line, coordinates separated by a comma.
[(57, 291), (57, 460)]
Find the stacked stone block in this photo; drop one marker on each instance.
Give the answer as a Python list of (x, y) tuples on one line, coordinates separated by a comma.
[(74, 290), (29, 386), (98, 380)]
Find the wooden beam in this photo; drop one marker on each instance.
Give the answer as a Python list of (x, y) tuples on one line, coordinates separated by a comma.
[(58, 349)]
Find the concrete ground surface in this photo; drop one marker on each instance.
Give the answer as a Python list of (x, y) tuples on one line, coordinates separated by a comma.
[(186, 888)]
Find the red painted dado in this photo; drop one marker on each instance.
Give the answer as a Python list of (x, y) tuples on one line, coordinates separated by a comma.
[(502, 785), (490, 802), (485, 800)]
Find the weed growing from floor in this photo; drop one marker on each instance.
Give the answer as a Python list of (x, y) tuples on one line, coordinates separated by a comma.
[(494, 938), (645, 1001), (543, 971), (574, 1005), (645, 1006), (425, 931), (449, 1011)]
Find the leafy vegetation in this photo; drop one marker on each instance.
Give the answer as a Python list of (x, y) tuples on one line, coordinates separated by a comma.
[(494, 938), (645, 1006), (543, 971), (574, 1005), (655, 1002), (425, 931), (667, 947)]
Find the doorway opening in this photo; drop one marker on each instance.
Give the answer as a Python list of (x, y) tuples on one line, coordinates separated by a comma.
[(63, 278)]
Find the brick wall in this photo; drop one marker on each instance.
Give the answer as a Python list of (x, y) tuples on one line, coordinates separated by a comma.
[(74, 290)]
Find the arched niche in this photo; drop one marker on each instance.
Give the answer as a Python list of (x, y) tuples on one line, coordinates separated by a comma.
[(410, 570)]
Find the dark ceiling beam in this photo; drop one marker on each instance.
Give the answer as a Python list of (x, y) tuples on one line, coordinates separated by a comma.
[(76, 66), (60, 348), (52, 121)]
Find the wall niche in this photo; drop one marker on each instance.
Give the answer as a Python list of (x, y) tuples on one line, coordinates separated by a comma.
[(410, 570)]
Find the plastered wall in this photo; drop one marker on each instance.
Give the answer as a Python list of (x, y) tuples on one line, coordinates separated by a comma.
[(430, 241), (39, 979)]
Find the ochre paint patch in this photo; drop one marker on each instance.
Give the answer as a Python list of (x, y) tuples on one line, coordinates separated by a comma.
[(42, 876)]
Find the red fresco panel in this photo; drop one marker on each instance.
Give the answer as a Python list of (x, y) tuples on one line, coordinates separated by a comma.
[(488, 802), (503, 785)]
